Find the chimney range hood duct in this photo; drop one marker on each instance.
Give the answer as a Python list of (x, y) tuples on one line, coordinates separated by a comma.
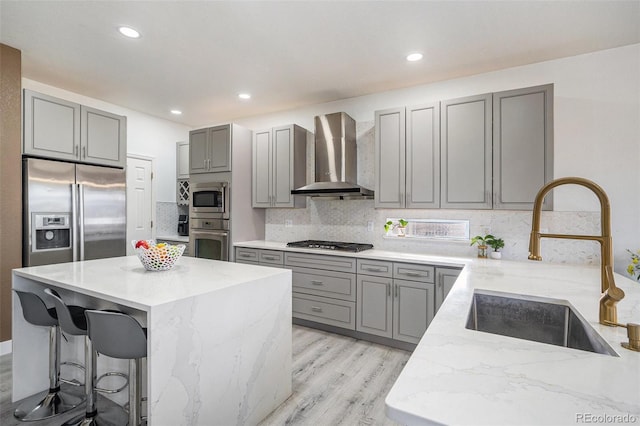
[(336, 160)]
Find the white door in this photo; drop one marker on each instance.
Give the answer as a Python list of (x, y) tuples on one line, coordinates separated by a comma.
[(139, 200)]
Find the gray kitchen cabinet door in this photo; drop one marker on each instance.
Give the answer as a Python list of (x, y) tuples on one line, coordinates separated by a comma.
[(182, 160), (261, 169), (198, 151), (51, 127), (283, 166), (466, 160), (374, 306), (390, 158), (413, 309), (220, 148), (445, 278), (103, 137), (423, 156), (522, 146)]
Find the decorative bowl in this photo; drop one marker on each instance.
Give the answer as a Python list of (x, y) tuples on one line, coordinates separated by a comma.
[(156, 258)]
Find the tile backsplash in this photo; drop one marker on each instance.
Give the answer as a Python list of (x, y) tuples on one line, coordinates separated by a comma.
[(167, 217)]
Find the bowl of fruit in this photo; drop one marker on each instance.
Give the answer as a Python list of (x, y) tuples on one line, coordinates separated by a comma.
[(157, 257)]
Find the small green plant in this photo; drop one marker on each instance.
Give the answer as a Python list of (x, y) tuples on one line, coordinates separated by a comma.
[(482, 241), (496, 243), (389, 225)]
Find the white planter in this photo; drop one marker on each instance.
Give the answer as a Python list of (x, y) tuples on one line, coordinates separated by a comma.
[(495, 255)]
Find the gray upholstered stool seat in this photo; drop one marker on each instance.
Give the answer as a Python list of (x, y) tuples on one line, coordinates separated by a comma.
[(60, 397), (118, 335), (73, 321)]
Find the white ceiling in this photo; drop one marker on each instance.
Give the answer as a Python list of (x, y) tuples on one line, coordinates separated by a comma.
[(198, 55)]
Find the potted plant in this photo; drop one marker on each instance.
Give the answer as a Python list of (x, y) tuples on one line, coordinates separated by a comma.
[(482, 244), (496, 244), (400, 226)]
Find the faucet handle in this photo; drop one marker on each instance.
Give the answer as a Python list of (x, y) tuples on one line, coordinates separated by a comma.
[(633, 333)]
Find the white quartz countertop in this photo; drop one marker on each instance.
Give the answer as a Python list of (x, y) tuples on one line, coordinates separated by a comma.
[(391, 256), (124, 280), (460, 376)]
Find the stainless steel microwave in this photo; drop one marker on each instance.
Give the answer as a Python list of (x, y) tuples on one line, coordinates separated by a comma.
[(210, 199)]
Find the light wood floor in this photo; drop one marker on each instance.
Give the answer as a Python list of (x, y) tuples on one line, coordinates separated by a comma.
[(337, 380)]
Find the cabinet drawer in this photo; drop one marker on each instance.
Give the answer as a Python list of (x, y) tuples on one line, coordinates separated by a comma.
[(338, 313), (271, 257), (331, 263), (412, 272), (339, 285), (246, 254), (378, 268)]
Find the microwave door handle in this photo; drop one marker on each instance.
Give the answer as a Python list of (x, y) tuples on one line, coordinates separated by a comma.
[(74, 220)]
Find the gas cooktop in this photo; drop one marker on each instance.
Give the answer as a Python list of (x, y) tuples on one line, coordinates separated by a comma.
[(331, 245)]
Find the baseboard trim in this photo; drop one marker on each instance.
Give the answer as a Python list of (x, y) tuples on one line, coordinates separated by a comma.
[(6, 347)]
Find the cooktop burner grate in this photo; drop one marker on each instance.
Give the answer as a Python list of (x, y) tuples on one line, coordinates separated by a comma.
[(331, 245)]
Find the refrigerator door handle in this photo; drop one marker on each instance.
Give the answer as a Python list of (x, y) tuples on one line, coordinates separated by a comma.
[(74, 218), (80, 208)]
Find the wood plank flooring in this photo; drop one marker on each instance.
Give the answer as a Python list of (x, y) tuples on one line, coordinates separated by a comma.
[(337, 380)]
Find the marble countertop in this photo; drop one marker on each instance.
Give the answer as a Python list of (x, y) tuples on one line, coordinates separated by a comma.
[(366, 254), (173, 237), (124, 280), (460, 376)]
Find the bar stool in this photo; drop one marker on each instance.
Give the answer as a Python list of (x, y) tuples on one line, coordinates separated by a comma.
[(76, 325), (60, 397), (118, 335)]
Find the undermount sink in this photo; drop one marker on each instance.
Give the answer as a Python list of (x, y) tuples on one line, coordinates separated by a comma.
[(534, 318)]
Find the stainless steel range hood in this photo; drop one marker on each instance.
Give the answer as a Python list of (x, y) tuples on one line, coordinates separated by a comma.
[(336, 161)]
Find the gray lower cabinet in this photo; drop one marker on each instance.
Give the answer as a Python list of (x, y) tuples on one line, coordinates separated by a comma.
[(279, 165), (398, 308), (522, 146), (210, 150), (407, 157), (466, 161), (445, 278), (63, 130)]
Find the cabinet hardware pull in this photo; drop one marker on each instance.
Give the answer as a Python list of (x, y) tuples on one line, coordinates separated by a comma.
[(396, 286), (372, 269), (388, 289), (316, 309), (269, 257), (415, 274), (314, 282), (84, 152), (245, 255), (75, 151)]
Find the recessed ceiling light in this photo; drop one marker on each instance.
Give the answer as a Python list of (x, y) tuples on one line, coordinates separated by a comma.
[(176, 112), (129, 32), (414, 57), (244, 96)]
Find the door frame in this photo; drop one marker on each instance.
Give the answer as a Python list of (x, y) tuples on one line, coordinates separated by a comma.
[(153, 189)]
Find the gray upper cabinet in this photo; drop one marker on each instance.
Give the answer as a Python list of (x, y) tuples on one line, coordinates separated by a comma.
[(279, 165), (522, 146), (210, 150), (408, 157), (182, 160), (466, 160), (59, 129), (390, 158), (102, 137)]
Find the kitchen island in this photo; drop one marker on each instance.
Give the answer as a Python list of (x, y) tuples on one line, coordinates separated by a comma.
[(219, 334)]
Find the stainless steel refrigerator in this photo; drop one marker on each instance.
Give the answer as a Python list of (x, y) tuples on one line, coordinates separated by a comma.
[(72, 212)]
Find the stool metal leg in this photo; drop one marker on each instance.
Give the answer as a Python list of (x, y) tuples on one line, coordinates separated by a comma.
[(58, 399), (135, 386), (112, 416)]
